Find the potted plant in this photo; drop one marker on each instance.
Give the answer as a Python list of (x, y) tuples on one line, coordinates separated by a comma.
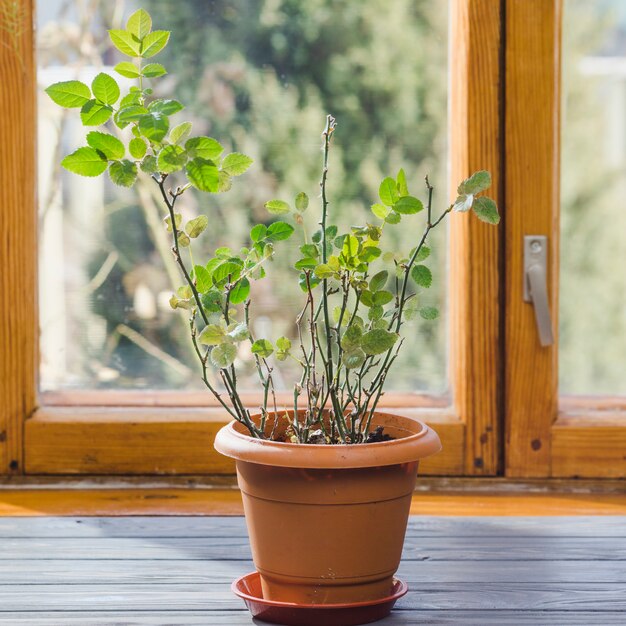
[(327, 480)]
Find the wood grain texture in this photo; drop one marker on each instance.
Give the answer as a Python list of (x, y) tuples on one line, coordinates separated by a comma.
[(216, 527), (200, 501), (18, 238), (584, 446), (142, 441), (155, 571), (532, 206), (475, 144)]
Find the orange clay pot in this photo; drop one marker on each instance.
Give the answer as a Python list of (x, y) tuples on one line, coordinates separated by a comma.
[(327, 522)]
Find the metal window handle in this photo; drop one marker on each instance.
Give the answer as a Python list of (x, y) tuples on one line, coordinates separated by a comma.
[(535, 284)]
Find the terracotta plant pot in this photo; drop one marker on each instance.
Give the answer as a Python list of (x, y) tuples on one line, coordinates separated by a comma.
[(327, 522)]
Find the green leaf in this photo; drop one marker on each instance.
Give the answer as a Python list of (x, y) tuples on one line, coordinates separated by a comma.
[(381, 298), (240, 292), (379, 280), (105, 89), (149, 164), (153, 70), (262, 348), (180, 132), (94, 113), (69, 94), (154, 126), (130, 99), (350, 247), (369, 253), (378, 341), (212, 301), (171, 159), (310, 250), (388, 191), (125, 42), (183, 240), (123, 173), (283, 345), (486, 210), (307, 263), (302, 202), (352, 338), (204, 147), (226, 271), (202, 277), (353, 359), (223, 355), (258, 232), (202, 174), (139, 23), (325, 271), (129, 114), (380, 211), (463, 203), (154, 43), (196, 226), (376, 312), (408, 205), (277, 207), (278, 231), (239, 332), (422, 275), (477, 182), (236, 164), (403, 189), (109, 145), (393, 218), (224, 181), (429, 312), (137, 148), (424, 253), (168, 223), (86, 162), (165, 107), (127, 69)]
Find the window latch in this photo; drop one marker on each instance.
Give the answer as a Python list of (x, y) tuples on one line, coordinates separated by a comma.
[(535, 284)]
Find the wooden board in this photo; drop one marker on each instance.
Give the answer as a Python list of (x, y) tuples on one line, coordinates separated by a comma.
[(200, 501), (18, 232), (532, 205), (589, 447), (475, 144), (152, 571), (167, 441)]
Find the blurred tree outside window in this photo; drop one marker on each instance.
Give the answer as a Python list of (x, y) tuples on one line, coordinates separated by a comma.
[(592, 349), (260, 77)]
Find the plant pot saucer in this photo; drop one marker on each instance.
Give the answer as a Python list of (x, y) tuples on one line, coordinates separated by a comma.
[(248, 588)]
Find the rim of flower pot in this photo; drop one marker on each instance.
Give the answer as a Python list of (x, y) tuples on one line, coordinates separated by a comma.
[(414, 441)]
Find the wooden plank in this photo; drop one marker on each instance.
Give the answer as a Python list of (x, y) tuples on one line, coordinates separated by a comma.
[(456, 548), (242, 618), (209, 572), (203, 501), (532, 204), (217, 527), (587, 447), (106, 441), (18, 233), (475, 136), (439, 596)]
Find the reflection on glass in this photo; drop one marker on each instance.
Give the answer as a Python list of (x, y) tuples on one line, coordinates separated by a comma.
[(259, 76), (592, 352)]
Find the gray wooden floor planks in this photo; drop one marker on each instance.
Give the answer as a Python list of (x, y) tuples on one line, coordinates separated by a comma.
[(149, 571)]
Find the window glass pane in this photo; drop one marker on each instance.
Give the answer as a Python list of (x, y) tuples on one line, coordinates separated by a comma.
[(592, 351), (260, 77)]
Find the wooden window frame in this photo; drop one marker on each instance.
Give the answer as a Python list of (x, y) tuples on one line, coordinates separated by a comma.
[(98, 433), (546, 435)]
